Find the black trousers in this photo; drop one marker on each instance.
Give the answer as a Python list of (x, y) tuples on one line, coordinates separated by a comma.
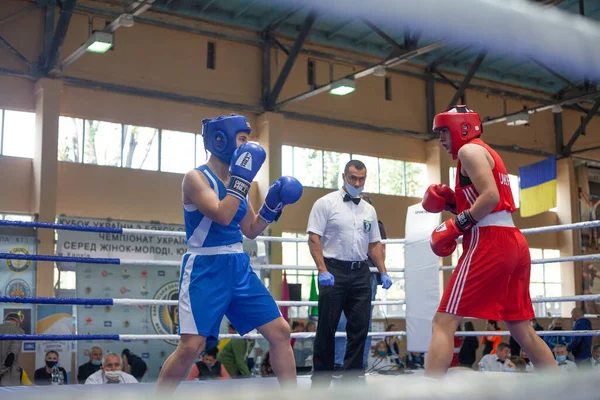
[(351, 293)]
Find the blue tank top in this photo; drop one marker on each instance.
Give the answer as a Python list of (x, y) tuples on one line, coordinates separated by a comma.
[(201, 231)]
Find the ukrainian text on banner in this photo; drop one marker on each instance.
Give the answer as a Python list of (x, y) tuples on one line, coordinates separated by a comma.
[(125, 281), (538, 187), (17, 278)]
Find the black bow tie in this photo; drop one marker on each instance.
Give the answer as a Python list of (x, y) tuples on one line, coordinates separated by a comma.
[(355, 200), (500, 361)]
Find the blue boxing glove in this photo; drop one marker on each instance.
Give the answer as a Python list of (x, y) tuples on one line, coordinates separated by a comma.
[(326, 279), (285, 190), (386, 282), (245, 164)]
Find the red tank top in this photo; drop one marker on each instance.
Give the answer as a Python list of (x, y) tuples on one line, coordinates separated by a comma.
[(466, 194)]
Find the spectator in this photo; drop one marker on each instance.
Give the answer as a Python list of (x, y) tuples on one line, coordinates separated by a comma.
[(553, 341), (516, 364), (266, 369), (134, 364), (234, 357), (303, 348), (536, 325), (296, 327), (468, 350), (414, 360), (310, 327), (10, 370), (208, 367), (230, 330), (529, 366), (51, 373), (497, 361), (110, 372), (596, 356), (458, 342), (560, 353), (490, 343), (90, 367), (378, 359), (580, 346), (392, 345)]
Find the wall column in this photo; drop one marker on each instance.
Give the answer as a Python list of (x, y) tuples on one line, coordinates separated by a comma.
[(568, 241), (270, 137), (45, 175)]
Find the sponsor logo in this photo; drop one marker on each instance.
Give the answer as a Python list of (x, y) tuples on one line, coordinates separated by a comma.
[(165, 319)]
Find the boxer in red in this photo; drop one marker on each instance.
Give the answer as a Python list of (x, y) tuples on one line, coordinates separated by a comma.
[(491, 280)]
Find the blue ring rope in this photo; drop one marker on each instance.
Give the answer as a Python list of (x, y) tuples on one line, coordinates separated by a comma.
[(57, 300), (35, 257), (60, 337), (65, 227)]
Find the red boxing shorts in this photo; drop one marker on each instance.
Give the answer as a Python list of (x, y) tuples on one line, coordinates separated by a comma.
[(491, 280)]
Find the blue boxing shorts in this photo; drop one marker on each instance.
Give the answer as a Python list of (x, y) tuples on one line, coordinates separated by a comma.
[(211, 286)]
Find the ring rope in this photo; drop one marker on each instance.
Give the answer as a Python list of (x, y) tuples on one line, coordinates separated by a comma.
[(296, 335)]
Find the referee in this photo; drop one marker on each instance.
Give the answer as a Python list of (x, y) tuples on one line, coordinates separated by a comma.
[(343, 232)]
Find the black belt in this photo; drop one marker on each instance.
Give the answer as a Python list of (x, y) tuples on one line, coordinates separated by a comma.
[(351, 265)]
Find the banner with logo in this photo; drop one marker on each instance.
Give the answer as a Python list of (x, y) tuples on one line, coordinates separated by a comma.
[(17, 278), (125, 281), (54, 320)]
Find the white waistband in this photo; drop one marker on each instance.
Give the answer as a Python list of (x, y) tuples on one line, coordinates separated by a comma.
[(211, 251), (500, 218)]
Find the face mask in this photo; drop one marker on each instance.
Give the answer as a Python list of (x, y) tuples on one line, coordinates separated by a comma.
[(112, 375), (510, 370), (381, 353), (97, 362), (51, 364), (561, 358), (352, 191)]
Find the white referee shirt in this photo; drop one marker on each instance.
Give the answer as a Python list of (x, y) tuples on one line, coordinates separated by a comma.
[(346, 229), (491, 362)]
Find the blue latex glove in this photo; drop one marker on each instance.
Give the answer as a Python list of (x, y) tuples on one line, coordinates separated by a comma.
[(386, 282), (326, 279)]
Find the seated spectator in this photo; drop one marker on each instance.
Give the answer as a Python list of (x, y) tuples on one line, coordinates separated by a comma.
[(234, 357), (490, 343), (581, 346), (266, 368), (110, 372), (392, 345), (51, 373), (95, 363), (303, 348), (208, 367), (553, 341), (516, 364), (596, 356), (378, 359), (134, 364), (560, 353), (297, 326), (496, 362), (529, 366), (468, 350), (414, 360)]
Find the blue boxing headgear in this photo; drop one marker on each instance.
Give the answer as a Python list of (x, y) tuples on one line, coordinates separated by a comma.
[(220, 134)]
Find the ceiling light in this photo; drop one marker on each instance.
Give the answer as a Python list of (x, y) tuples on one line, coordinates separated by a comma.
[(519, 119), (99, 42), (342, 87)]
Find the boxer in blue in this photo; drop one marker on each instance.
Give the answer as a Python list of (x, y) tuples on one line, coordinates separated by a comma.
[(216, 277)]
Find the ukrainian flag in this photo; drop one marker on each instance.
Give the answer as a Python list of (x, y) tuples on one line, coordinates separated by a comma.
[(538, 187)]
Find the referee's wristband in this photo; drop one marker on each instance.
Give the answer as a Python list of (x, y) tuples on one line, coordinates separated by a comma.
[(238, 187)]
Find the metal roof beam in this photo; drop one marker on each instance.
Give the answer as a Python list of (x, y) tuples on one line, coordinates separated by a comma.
[(445, 79), (289, 63), (389, 63), (465, 83), (244, 9), (207, 5), (384, 36), (59, 35), (280, 45), (364, 37), (339, 28), (581, 128), (556, 74), (274, 24), (15, 52), (558, 132), (18, 14)]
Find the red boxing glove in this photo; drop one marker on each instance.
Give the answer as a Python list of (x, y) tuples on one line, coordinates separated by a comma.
[(438, 198), (443, 238)]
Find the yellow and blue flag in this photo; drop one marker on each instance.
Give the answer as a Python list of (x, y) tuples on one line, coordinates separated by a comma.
[(538, 187)]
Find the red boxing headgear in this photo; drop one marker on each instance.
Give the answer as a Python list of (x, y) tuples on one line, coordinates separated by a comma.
[(464, 125)]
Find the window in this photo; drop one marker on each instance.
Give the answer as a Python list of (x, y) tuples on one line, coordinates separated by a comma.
[(103, 143), (324, 169), (545, 282), (140, 148), (311, 73), (388, 88), (298, 254), (70, 139), (18, 134), (394, 258), (210, 55), (177, 151), (201, 152), (16, 217)]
